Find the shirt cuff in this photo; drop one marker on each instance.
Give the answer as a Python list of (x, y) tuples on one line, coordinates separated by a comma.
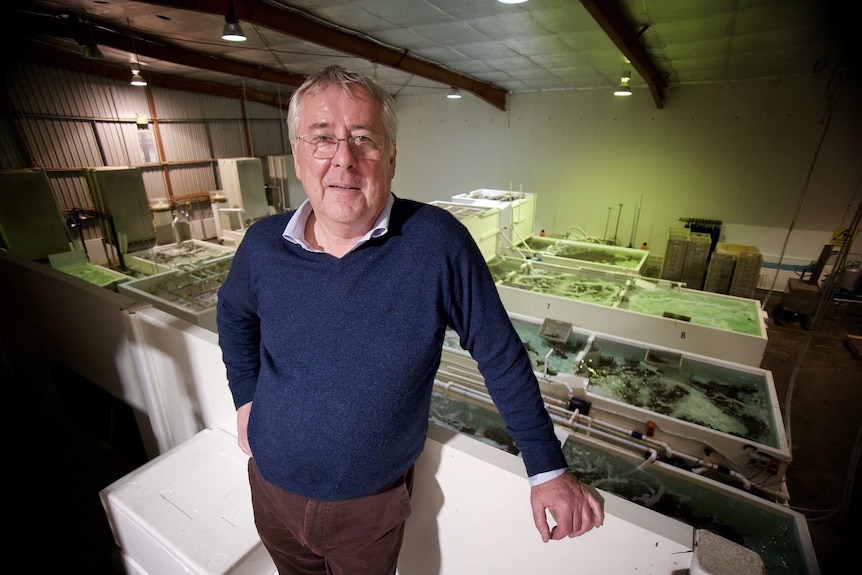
[(545, 476)]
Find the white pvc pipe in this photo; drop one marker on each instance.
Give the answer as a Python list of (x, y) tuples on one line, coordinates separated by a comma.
[(547, 356), (668, 450), (653, 454), (485, 399), (693, 460)]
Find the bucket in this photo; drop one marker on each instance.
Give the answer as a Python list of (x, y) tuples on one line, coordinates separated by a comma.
[(850, 279)]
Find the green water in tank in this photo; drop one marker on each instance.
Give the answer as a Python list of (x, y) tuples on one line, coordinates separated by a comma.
[(774, 537), (643, 296), (711, 395)]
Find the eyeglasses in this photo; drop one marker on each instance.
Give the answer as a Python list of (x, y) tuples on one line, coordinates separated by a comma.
[(366, 146)]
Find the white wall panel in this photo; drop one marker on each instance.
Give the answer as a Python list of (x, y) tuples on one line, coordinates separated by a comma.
[(740, 153), (219, 108)]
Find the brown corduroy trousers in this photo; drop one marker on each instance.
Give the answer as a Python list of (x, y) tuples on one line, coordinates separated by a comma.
[(355, 537)]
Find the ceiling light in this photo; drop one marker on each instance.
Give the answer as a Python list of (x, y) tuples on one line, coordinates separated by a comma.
[(137, 79), (454, 94), (232, 30), (624, 89), (92, 52), (511, 1)]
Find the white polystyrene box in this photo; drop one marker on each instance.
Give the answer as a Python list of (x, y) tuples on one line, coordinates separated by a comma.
[(189, 511)]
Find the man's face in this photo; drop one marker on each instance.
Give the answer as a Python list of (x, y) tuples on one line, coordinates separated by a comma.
[(347, 191)]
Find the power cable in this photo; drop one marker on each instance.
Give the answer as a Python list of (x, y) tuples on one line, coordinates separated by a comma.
[(830, 107)]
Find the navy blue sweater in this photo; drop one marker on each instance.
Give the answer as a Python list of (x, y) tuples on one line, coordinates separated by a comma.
[(339, 355)]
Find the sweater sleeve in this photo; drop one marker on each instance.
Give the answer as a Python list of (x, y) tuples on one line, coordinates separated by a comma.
[(486, 331), (239, 325)]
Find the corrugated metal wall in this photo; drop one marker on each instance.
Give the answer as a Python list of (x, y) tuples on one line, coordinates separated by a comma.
[(268, 138), (64, 122), (184, 141), (227, 139), (10, 151), (61, 143)]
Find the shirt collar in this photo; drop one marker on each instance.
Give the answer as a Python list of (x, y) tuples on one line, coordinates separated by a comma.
[(295, 229)]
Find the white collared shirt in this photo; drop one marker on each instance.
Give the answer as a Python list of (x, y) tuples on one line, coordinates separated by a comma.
[(295, 229)]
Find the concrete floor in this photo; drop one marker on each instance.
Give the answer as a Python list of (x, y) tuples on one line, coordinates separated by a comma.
[(825, 421), (76, 441)]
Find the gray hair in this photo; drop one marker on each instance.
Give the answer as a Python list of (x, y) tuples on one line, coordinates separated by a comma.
[(348, 80)]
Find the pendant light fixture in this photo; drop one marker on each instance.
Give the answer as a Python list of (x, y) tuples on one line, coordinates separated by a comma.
[(137, 79), (232, 30), (624, 89), (91, 52), (454, 94)]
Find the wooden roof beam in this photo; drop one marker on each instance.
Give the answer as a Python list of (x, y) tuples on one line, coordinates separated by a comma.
[(610, 17), (53, 56), (142, 45), (292, 23)]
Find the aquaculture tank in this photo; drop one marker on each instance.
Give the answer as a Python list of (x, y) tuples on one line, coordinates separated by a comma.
[(517, 211), (582, 255), (75, 263), (653, 311), (779, 535), (174, 256), (705, 415), (97, 275), (189, 292), (714, 411)]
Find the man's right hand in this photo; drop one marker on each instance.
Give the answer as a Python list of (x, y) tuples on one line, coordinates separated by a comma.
[(242, 415)]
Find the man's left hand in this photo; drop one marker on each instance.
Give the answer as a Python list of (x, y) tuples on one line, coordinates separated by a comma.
[(572, 504)]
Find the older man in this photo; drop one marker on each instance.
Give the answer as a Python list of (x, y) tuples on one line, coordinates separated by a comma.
[(331, 324)]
